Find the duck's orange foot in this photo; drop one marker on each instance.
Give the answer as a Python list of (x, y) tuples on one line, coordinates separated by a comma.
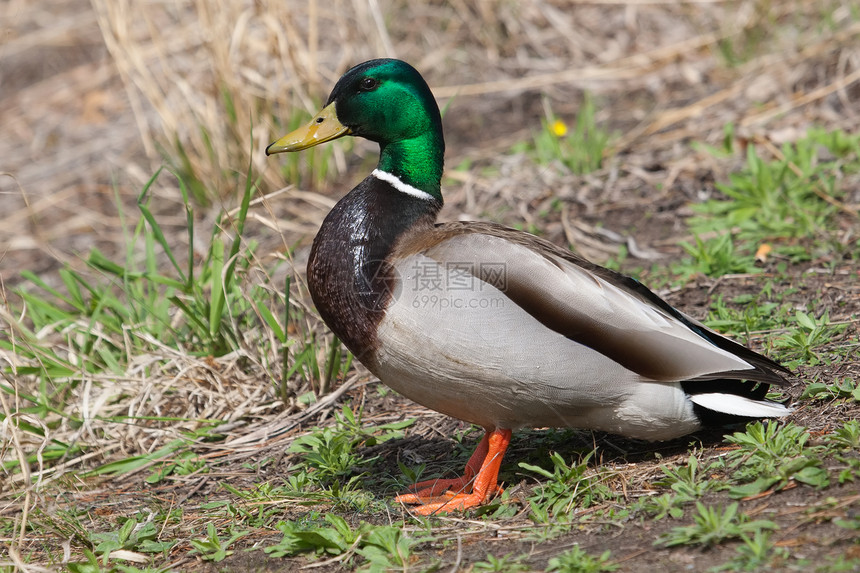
[(441, 491), (446, 503), (482, 473), (434, 487)]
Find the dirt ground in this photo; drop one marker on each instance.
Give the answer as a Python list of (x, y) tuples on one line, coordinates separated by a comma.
[(803, 514), (77, 147)]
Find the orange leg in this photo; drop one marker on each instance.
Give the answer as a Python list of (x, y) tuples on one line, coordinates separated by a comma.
[(482, 471)]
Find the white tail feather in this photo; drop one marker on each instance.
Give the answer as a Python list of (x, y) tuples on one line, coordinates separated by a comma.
[(740, 405)]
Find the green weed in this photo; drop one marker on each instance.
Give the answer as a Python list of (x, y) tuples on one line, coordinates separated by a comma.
[(568, 486), (847, 437), (843, 562), (91, 565), (687, 481), (335, 539), (259, 506), (185, 463), (509, 563), (663, 505), (851, 470), (843, 442), (746, 315), (329, 454), (789, 202), (137, 533), (577, 560), (388, 549), (212, 547), (840, 388), (138, 537), (754, 554), (713, 525), (383, 548), (329, 458), (851, 522), (714, 258), (789, 197), (800, 344), (770, 456)]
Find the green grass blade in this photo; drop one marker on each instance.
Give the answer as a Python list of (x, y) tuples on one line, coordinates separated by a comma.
[(155, 227)]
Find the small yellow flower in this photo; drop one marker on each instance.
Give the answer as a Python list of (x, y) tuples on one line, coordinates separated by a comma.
[(559, 128)]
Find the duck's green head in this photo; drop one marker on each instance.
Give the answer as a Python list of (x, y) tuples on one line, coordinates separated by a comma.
[(386, 101)]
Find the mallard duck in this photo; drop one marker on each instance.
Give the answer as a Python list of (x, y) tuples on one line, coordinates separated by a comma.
[(493, 325)]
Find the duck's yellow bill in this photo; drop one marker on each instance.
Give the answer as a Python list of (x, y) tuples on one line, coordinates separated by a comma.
[(323, 127)]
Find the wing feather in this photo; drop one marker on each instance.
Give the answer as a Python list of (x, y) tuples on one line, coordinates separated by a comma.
[(610, 313)]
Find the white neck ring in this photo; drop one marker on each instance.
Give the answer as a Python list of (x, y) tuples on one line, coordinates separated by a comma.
[(395, 182)]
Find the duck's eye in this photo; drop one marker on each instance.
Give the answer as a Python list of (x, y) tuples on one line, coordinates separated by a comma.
[(368, 84)]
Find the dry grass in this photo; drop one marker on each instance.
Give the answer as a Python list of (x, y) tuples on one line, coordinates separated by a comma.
[(89, 129)]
